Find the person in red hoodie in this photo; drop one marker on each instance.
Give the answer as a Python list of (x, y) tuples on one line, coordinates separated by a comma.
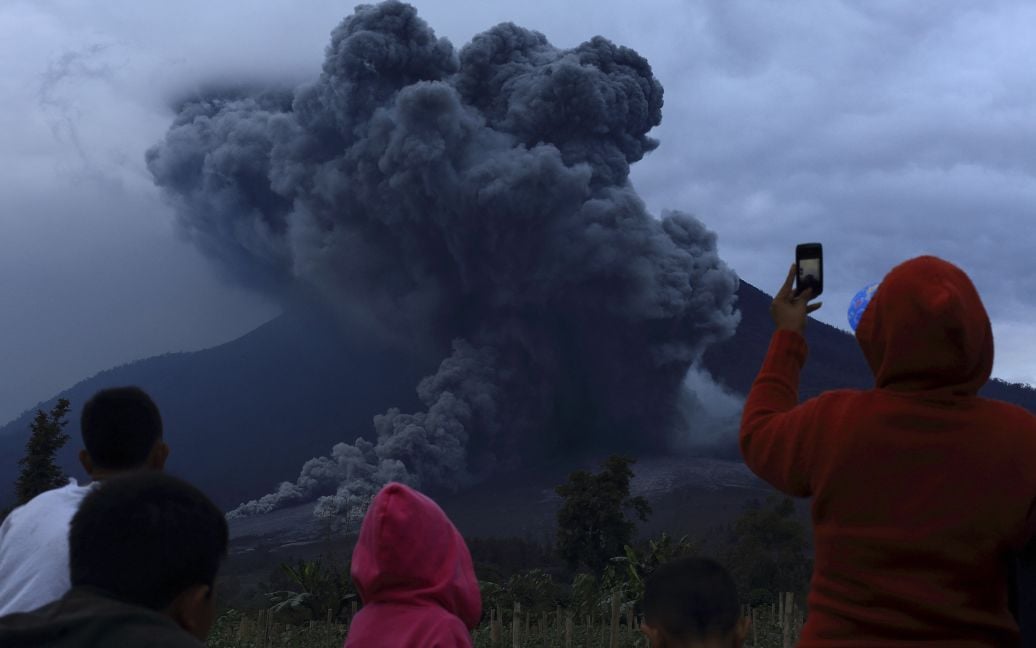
[(414, 575), (921, 489)]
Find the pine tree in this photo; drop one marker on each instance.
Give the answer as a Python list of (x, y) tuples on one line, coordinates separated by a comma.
[(40, 471)]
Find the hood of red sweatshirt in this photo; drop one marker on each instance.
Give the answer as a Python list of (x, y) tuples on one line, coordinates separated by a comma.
[(410, 552), (925, 329)]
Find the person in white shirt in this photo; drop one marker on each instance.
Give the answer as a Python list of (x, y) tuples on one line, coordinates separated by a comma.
[(122, 433)]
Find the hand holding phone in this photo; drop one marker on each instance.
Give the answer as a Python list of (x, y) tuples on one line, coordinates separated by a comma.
[(788, 310), (809, 268)]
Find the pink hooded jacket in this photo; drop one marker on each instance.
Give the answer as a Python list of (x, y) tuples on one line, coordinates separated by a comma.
[(414, 575)]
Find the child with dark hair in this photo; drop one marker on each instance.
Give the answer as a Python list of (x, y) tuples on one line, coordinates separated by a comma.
[(122, 432), (121, 428), (692, 603), (144, 551)]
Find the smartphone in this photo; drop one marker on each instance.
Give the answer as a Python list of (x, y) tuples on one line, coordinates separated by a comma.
[(809, 268)]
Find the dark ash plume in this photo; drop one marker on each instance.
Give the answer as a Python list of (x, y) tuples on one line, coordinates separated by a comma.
[(480, 200)]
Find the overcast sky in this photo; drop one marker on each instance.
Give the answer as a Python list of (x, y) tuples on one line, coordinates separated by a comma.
[(882, 129)]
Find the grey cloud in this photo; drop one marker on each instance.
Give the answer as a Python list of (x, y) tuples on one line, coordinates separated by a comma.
[(480, 197)]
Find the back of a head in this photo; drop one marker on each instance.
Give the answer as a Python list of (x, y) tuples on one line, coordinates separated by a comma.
[(691, 600), (144, 538), (409, 550), (120, 426), (925, 329)]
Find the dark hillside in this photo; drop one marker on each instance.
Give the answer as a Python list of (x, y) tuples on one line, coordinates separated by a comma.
[(835, 359), (242, 416), (246, 415)]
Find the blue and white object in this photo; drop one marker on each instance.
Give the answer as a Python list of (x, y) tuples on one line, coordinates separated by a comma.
[(859, 304)]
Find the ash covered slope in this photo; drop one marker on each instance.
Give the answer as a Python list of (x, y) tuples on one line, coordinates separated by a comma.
[(475, 203)]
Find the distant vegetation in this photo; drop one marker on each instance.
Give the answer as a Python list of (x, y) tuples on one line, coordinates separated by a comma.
[(39, 468), (547, 588)]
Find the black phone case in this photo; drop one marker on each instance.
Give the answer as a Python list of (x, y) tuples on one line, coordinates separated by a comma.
[(806, 251)]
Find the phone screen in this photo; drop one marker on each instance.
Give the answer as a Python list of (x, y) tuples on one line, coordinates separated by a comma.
[(809, 273)]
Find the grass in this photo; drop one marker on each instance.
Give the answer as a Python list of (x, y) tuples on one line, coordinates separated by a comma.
[(236, 629)]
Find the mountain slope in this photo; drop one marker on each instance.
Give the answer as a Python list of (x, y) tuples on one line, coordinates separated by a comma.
[(244, 416)]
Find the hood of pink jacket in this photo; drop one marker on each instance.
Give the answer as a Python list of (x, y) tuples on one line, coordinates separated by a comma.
[(410, 552)]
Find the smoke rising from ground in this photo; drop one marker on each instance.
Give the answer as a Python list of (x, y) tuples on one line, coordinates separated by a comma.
[(476, 203)]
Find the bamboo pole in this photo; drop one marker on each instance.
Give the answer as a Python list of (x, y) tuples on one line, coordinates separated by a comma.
[(613, 640), (780, 609), (569, 628), (787, 620), (589, 631), (755, 630), (516, 626)]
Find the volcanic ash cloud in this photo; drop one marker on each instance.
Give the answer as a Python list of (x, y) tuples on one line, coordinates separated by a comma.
[(477, 203)]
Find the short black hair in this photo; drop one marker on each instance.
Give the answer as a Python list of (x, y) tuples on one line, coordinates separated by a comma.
[(120, 426), (691, 598), (145, 537)]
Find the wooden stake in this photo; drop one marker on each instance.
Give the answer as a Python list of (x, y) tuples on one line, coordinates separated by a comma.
[(613, 640), (516, 626)]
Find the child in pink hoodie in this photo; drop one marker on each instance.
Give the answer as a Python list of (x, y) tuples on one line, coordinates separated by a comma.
[(414, 575)]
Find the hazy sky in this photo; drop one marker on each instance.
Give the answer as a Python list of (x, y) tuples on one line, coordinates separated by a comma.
[(882, 129)]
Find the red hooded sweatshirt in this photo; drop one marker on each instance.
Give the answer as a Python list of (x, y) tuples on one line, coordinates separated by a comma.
[(414, 575), (921, 489)]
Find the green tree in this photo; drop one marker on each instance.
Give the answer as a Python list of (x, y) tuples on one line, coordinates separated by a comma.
[(629, 571), (40, 471), (317, 586), (768, 551), (593, 525)]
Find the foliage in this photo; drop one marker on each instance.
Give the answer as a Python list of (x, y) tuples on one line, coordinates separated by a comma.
[(497, 559), (229, 631), (319, 586), (592, 523), (768, 552), (40, 471), (628, 572), (588, 599), (535, 590)]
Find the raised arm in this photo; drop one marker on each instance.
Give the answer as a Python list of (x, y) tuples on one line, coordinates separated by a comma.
[(777, 433)]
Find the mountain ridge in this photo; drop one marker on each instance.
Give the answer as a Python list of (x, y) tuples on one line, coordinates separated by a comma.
[(243, 416)]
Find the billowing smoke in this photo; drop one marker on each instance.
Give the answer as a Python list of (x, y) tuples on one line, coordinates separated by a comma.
[(474, 203)]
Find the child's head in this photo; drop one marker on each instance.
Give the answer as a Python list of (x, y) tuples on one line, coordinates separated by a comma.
[(152, 540), (692, 602)]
